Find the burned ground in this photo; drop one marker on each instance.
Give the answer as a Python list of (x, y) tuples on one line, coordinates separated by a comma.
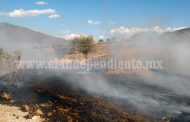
[(54, 99)]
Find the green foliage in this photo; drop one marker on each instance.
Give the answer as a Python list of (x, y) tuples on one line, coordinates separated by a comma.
[(86, 45), (82, 44)]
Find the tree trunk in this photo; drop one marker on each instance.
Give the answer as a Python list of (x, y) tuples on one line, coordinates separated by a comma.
[(86, 58)]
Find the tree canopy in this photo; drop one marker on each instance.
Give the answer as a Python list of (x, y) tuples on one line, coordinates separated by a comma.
[(83, 44)]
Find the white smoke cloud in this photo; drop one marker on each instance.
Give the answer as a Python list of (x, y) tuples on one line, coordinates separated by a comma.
[(28, 13), (101, 37), (91, 22), (54, 16), (70, 36), (128, 32), (31, 13), (41, 3)]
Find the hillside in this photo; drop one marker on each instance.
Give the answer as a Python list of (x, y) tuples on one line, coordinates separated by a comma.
[(12, 34), (30, 42)]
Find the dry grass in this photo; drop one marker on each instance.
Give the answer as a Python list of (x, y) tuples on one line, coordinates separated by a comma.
[(6, 96)]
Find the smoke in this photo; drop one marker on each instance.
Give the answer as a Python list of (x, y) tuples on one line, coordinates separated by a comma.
[(165, 91), (148, 96), (172, 47)]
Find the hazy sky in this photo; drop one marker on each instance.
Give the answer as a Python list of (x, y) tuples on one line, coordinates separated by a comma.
[(96, 17)]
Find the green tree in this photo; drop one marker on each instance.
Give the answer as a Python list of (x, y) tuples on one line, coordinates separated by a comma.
[(86, 45)]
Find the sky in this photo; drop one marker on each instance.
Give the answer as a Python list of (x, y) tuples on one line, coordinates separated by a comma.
[(99, 18)]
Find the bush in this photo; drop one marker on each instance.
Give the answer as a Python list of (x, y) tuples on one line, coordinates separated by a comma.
[(83, 44), (100, 40), (8, 60), (86, 45)]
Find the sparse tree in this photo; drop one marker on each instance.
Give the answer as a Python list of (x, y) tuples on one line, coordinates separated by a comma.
[(100, 40), (1, 53), (17, 55), (8, 61), (86, 45)]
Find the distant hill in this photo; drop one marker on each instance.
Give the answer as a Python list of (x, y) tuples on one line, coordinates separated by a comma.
[(185, 31), (178, 36), (12, 34), (14, 37)]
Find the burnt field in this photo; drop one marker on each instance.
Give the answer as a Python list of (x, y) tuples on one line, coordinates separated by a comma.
[(62, 96)]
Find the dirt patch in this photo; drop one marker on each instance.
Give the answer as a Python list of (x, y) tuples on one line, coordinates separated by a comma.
[(14, 114)]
